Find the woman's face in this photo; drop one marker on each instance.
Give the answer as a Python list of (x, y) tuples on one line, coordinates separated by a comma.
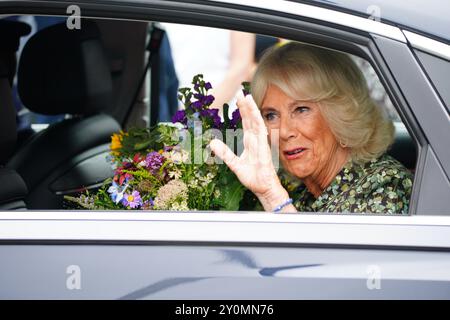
[(308, 148)]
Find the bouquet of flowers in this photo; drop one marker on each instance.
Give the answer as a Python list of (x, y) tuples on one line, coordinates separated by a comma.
[(169, 166)]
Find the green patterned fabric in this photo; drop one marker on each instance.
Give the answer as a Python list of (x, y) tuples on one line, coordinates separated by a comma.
[(380, 186)]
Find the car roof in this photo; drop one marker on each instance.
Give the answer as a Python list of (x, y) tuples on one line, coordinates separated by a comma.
[(427, 17)]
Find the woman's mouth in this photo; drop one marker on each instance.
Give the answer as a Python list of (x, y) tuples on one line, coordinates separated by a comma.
[(293, 153)]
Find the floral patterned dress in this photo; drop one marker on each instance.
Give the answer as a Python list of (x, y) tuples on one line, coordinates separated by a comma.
[(382, 185)]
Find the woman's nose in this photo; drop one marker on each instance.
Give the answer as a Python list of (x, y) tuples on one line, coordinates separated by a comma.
[(287, 128)]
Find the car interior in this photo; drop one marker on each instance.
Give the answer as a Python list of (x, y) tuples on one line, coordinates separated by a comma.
[(93, 77)]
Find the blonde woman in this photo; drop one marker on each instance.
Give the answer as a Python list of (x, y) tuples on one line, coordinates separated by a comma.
[(332, 137)]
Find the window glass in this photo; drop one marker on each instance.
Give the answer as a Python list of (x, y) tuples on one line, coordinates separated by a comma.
[(377, 91), (336, 141)]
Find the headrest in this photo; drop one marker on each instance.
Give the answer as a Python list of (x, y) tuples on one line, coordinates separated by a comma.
[(65, 71), (10, 33)]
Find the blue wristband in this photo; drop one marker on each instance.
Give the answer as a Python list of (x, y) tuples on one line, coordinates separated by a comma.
[(281, 206)]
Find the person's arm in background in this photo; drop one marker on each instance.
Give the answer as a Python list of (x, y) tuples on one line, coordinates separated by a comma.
[(242, 56)]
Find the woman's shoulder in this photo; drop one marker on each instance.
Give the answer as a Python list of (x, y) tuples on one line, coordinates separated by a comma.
[(387, 185), (386, 169)]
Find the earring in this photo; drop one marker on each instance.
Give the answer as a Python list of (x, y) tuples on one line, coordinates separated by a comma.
[(343, 145)]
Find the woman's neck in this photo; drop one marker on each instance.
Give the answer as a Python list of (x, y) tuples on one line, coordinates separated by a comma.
[(317, 184)]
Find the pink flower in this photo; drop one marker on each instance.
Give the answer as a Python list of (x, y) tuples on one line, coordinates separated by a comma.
[(132, 200)]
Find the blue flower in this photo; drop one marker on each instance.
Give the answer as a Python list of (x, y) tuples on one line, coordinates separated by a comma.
[(196, 115), (116, 192)]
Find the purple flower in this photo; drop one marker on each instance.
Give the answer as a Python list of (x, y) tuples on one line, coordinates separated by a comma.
[(212, 114), (207, 100), (179, 116), (197, 105), (154, 161), (198, 96), (208, 86), (235, 118), (148, 204), (132, 200)]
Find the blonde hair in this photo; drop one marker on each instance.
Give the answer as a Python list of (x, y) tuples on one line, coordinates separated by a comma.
[(334, 81)]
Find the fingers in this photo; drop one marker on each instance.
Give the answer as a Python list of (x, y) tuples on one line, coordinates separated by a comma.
[(255, 137), (244, 111), (259, 149), (251, 116), (224, 153)]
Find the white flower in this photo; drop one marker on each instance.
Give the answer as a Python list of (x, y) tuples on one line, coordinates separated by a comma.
[(142, 164), (175, 174), (181, 156), (182, 206), (167, 194), (114, 188)]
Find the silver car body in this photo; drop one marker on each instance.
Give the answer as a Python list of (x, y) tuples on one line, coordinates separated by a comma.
[(210, 255)]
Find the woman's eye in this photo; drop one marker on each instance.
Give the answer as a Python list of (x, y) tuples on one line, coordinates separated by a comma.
[(269, 116), (301, 109)]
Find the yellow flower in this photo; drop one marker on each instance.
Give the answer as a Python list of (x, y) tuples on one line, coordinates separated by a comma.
[(116, 143)]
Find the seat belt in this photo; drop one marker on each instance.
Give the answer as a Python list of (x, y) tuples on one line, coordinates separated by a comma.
[(153, 46)]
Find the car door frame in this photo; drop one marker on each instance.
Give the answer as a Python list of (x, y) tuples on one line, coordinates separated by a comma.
[(233, 230)]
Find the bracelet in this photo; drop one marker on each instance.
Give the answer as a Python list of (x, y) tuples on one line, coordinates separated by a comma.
[(281, 206)]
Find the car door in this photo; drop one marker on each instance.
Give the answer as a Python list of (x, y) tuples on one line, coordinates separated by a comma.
[(211, 255)]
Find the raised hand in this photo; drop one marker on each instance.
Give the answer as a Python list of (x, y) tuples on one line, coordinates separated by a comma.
[(254, 167)]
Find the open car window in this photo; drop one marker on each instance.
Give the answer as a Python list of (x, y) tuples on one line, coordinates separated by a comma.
[(107, 190), (134, 159)]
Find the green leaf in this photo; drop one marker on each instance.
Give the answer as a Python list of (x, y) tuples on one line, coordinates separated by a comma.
[(226, 107), (142, 145), (233, 193), (247, 87)]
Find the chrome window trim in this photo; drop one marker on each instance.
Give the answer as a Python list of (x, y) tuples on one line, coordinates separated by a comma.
[(323, 14), (226, 216), (432, 46), (263, 228)]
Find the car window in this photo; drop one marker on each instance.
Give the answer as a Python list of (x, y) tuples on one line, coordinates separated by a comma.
[(377, 91), (205, 68)]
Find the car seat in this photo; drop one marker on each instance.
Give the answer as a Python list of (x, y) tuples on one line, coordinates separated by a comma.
[(12, 187), (64, 71)]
